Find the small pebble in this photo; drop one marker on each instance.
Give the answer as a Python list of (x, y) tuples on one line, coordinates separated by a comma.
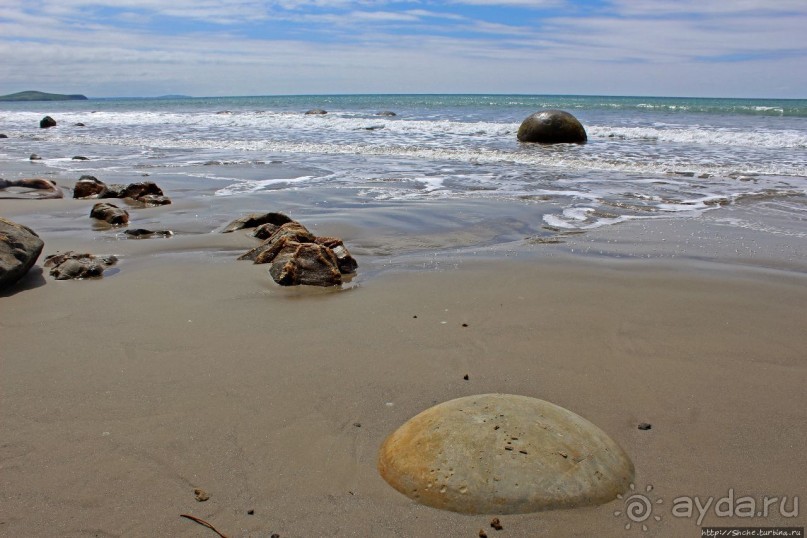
[(201, 495), (465, 377), (508, 448), (496, 524), (414, 317), (357, 424), (275, 536), (464, 324), (251, 512), (482, 533), (522, 451), (645, 426)]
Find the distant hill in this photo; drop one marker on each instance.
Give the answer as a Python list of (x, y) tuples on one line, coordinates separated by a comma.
[(41, 96)]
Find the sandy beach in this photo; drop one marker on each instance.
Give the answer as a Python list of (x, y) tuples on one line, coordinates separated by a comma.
[(183, 368)]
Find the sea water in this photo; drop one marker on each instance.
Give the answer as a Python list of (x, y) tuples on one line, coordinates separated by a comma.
[(646, 157)]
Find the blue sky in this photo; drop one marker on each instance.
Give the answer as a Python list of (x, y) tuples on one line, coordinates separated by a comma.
[(731, 48)]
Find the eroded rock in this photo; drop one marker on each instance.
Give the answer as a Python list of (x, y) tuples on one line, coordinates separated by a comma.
[(503, 454), (266, 251), (296, 255), (73, 265), (88, 187), (305, 263), (20, 247), (109, 213), (256, 219)]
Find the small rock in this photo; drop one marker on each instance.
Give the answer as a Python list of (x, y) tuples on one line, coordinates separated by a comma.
[(254, 220), (464, 324), (3, 135), (465, 377), (316, 111), (80, 158), (251, 512), (79, 124), (47, 122), (89, 187), (482, 533), (496, 524), (386, 113), (142, 233), (75, 266), (305, 264), (109, 213), (34, 157), (645, 426), (357, 424), (201, 495)]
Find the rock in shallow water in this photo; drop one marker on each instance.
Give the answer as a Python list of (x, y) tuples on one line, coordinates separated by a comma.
[(503, 454), (552, 127)]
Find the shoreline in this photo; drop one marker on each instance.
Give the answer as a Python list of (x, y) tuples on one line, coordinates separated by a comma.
[(189, 369)]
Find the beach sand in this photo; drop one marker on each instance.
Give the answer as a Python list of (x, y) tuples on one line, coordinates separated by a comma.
[(183, 368)]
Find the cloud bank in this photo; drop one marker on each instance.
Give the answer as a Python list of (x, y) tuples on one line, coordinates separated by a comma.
[(743, 48)]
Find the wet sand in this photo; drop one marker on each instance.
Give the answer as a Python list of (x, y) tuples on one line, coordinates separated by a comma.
[(184, 368)]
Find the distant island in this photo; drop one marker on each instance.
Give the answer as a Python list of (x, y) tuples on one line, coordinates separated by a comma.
[(41, 96)]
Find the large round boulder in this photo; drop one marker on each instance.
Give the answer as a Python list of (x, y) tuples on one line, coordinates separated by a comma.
[(19, 249), (552, 127), (503, 454), (47, 122)]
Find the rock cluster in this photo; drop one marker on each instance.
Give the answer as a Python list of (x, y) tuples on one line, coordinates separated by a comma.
[(19, 249), (296, 256), (146, 192), (503, 454), (73, 265)]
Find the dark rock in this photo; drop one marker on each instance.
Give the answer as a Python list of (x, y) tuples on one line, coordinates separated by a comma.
[(645, 426), (141, 189), (154, 200), (3, 136), (34, 157), (79, 124), (256, 219), (552, 127), (114, 190), (80, 158), (20, 247), (47, 122), (266, 251), (109, 213), (142, 233), (73, 265), (265, 231), (46, 187), (89, 187), (386, 113), (496, 524), (307, 264), (347, 264), (316, 111)]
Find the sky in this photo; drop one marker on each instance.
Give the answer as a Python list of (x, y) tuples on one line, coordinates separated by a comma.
[(128, 48)]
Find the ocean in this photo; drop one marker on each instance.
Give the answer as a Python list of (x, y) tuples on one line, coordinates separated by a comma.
[(646, 157)]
